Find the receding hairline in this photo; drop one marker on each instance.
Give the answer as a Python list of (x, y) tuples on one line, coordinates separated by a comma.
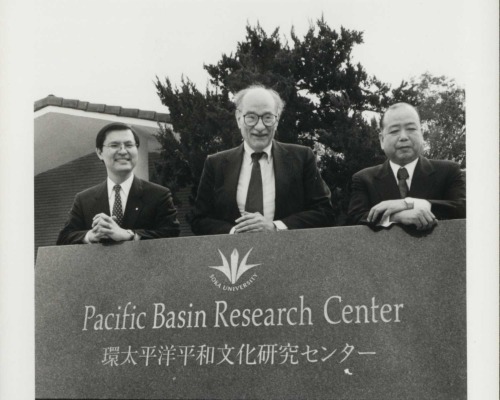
[(395, 107), (278, 101)]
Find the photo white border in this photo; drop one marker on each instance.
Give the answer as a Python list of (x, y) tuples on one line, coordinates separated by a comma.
[(16, 202)]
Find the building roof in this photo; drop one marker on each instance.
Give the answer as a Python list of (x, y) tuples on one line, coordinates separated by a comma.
[(52, 100)]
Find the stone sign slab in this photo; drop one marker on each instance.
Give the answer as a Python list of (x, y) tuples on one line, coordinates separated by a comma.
[(336, 313)]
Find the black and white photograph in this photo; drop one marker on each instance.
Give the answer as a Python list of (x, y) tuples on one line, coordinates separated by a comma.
[(248, 199)]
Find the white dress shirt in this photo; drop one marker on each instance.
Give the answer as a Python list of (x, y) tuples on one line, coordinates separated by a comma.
[(268, 183), (418, 203), (409, 167), (124, 191)]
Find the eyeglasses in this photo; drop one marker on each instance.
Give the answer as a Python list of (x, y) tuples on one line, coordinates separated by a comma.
[(252, 119), (118, 145)]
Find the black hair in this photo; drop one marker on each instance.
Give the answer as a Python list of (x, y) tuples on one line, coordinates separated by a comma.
[(120, 126)]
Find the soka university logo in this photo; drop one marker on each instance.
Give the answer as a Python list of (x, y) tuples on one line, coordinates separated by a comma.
[(233, 271)]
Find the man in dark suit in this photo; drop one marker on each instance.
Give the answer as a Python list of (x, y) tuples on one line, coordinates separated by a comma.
[(123, 207), (408, 188), (262, 185)]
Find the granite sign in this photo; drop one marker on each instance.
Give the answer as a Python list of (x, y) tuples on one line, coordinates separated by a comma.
[(323, 313)]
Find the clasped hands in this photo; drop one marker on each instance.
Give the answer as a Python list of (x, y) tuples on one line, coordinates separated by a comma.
[(106, 227), (253, 222), (397, 211)]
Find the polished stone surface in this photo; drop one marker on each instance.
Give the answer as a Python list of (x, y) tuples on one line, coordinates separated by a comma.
[(406, 339)]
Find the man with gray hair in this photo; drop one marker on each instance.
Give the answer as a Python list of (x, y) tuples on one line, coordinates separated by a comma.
[(262, 185), (408, 188)]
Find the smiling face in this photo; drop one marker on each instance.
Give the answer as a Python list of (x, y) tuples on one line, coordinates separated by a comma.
[(257, 101), (401, 137), (120, 162)]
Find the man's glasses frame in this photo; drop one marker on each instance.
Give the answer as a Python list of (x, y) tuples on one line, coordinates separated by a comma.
[(118, 145), (252, 119)]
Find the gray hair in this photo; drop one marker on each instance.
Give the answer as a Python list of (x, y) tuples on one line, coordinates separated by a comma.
[(280, 104)]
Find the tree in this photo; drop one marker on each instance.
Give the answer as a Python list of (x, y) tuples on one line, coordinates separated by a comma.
[(441, 104), (328, 103), (325, 96), (203, 124)]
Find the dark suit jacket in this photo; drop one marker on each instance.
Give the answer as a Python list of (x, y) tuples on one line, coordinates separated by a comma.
[(440, 182), (150, 212), (302, 197)]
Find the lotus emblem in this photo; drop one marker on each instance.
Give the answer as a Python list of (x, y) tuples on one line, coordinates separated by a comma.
[(234, 271)]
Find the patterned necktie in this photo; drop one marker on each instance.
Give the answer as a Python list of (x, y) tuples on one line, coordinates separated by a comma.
[(403, 186), (117, 207), (255, 196)]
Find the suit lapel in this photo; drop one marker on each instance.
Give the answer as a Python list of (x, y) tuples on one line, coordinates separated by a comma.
[(231, 167), (387, 186), (422, 182), (101, 200), (283, 173), (134, 204)]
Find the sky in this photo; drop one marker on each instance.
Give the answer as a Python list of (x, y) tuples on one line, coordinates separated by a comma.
[(110, 52)]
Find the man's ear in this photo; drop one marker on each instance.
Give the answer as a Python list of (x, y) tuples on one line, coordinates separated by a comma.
[(99, 153), (237, 114), (381, 138)]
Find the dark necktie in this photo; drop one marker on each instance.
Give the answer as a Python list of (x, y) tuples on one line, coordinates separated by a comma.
[(403, 186), (117, 207), (255, 196)]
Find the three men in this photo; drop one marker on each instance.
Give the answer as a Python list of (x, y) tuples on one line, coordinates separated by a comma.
[(262, 185), (123, 207), (408, 188), (265, 185)]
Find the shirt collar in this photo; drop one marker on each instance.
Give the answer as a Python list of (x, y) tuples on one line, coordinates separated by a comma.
[(125, 185), (410, 167), (249, 151)]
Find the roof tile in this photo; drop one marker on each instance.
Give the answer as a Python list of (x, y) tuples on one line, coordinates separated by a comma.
[(130, 112), (147, 115), (52, 100), (113, 110), (69, 103), (96, 107), (163, 117), (82, 105)]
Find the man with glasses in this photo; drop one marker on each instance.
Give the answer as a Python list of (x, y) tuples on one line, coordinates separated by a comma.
[(407, 189), (123, 207), (262, 185)]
